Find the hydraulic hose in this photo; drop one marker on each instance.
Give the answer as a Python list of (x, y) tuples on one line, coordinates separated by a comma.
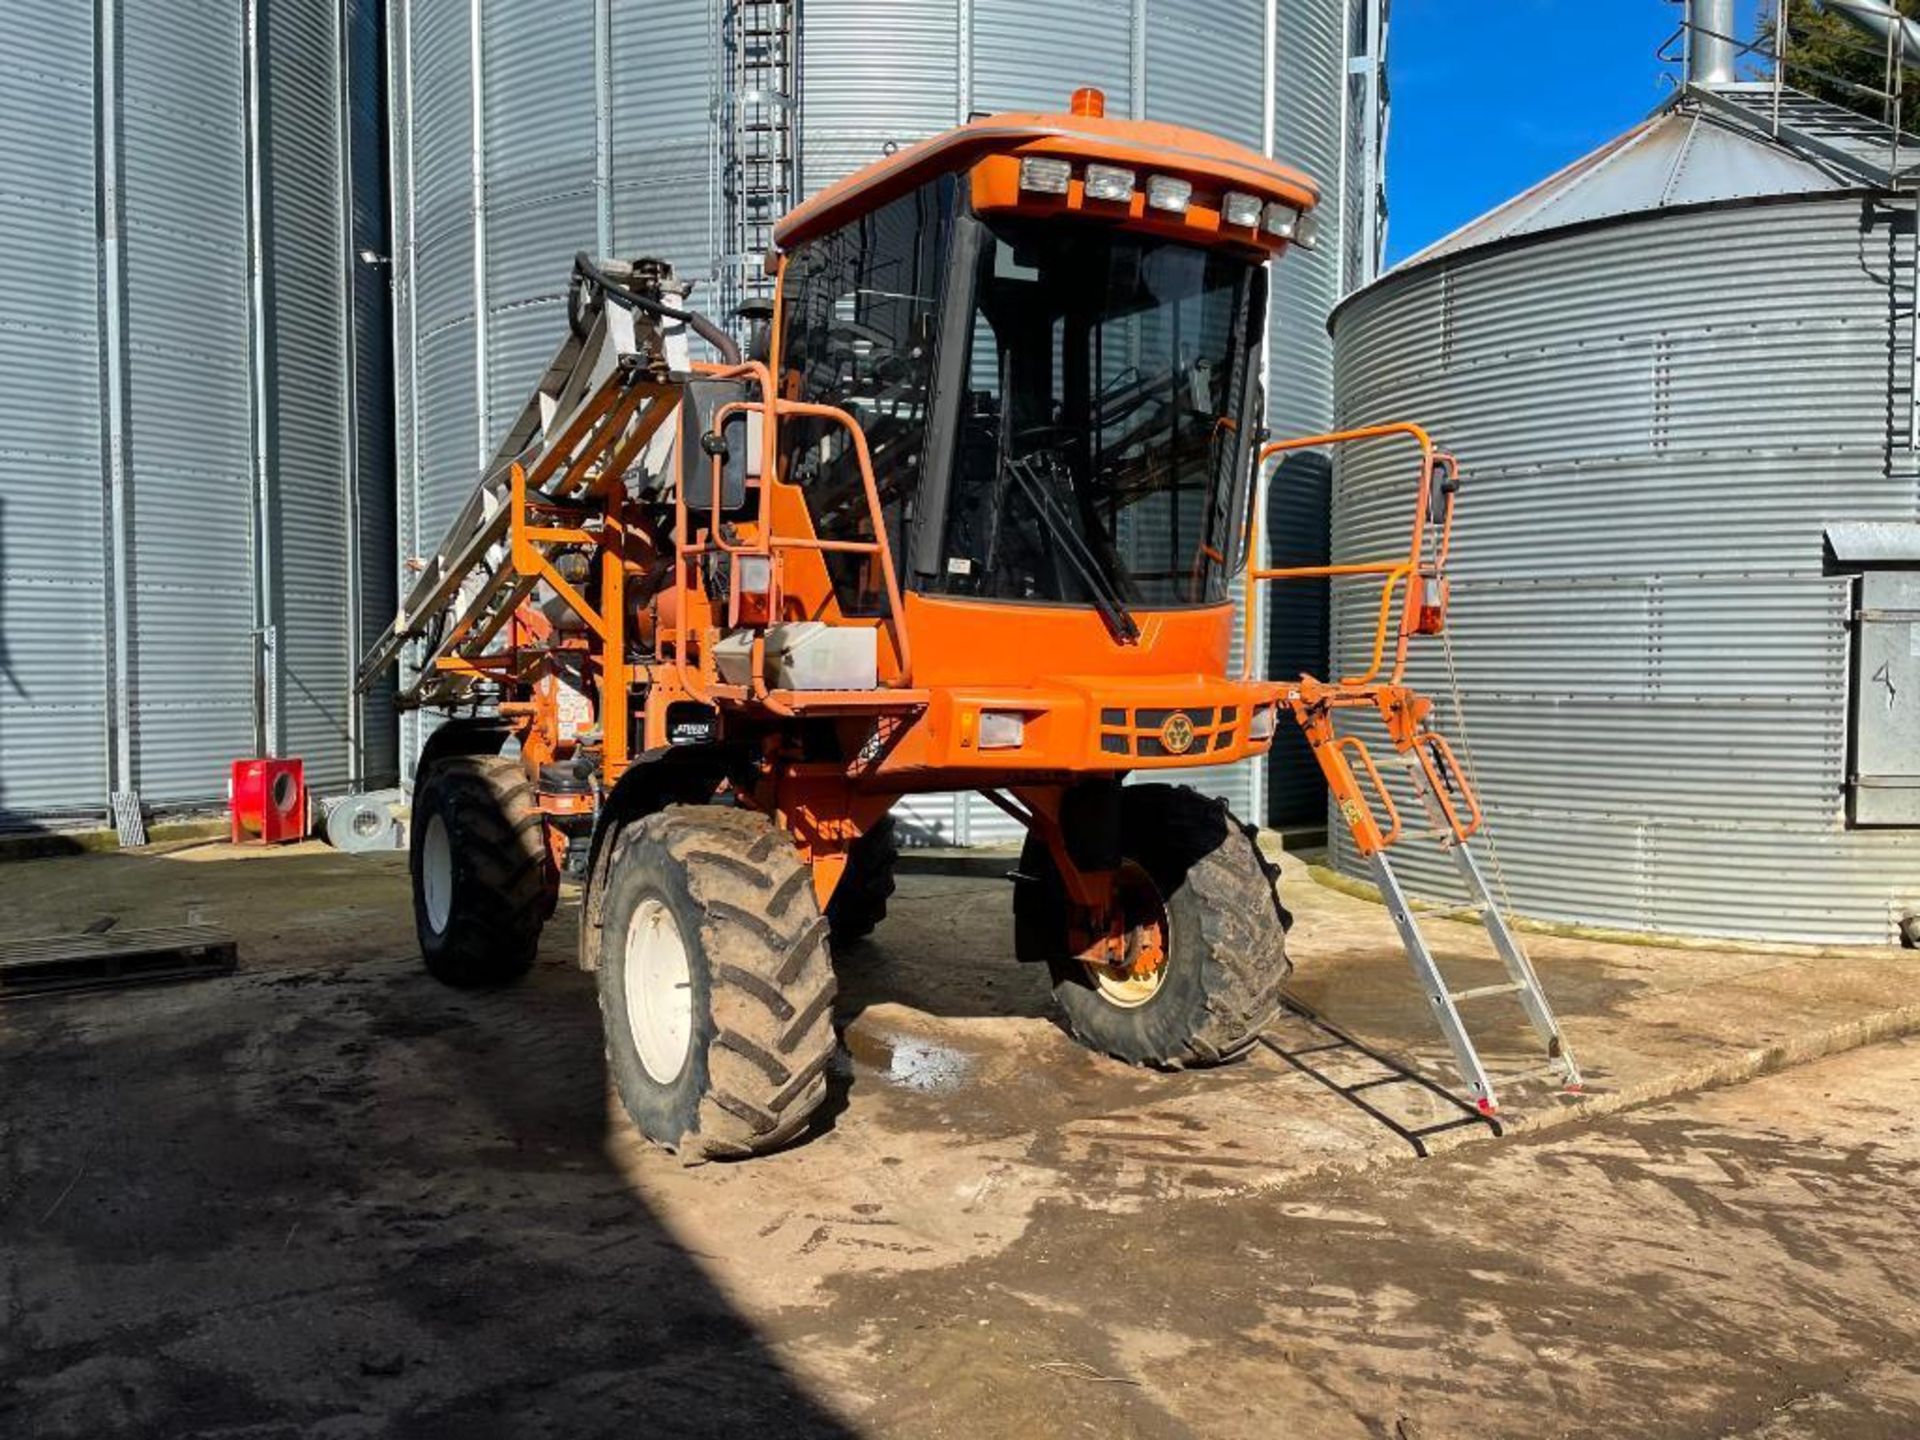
[(723, 343)]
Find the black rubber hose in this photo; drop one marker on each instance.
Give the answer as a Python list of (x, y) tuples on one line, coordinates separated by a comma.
[(692, 319)]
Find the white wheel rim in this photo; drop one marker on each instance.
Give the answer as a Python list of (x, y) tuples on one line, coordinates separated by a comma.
[(436, 874), (659, 990), (1130, 992)]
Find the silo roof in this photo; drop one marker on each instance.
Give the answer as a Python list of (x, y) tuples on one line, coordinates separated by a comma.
[(1686, 154)]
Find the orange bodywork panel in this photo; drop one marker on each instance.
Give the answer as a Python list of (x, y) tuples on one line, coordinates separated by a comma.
[(1211, 163)]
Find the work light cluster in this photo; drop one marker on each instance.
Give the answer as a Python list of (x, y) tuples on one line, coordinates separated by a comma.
[(1045, 175)]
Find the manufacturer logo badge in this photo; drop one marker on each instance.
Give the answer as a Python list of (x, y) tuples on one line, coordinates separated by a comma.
[(1177, 733)]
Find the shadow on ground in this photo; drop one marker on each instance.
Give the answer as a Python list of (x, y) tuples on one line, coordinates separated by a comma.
[(327, 1197)]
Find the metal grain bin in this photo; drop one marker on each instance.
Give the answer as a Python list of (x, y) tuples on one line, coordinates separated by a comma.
[(526, 130), (195, 459), (1679, 376)]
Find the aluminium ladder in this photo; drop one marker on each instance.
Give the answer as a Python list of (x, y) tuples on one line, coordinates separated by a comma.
[(1521, 983)]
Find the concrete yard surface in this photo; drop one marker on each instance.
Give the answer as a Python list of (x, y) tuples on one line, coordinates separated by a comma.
[(326, 1196)]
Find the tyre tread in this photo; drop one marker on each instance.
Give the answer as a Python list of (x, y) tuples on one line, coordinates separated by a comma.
[(493, 930), (771, 976)]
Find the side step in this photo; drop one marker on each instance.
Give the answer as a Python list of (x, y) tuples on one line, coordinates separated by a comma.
[(63, 964)]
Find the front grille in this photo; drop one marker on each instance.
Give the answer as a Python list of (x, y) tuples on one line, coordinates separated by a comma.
[(1137, 734)]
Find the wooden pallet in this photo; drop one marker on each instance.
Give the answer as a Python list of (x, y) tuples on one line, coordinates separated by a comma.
[(61, 964)]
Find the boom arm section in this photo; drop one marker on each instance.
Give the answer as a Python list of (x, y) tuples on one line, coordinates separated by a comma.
[(596, 415)]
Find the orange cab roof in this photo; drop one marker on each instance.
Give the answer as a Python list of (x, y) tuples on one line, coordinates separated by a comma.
[(1147, 145)]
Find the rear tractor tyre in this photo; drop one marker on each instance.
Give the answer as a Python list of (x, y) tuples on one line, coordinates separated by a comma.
[(483, 883), (716, 987), (859, 901), (1196, 889)]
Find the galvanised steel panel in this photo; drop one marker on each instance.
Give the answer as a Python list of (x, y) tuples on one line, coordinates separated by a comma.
[(874, 76), (1310, 48), (922, 820), (540, 137), (664, 146), (309, 372), (440, 93), (449, 405), (542, 197), (437, 265), (190, 394), (194, 406), (1658, 419), (1204, 66), (444, 280), (520, 344), (530, 250), (52, 659), (1676, 158), (1029, 56)]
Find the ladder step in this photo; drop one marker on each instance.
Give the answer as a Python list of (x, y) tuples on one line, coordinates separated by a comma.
[(1510, 987)]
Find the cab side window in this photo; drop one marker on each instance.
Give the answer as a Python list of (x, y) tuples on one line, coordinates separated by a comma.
[(861, 314)]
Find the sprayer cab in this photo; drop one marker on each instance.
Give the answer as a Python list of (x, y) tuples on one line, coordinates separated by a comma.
[(1048, 329)]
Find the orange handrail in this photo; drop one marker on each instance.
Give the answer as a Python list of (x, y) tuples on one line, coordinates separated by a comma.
[(768, 542), (1359, 747), (876, 513), (1412, 569), (1427, 745)]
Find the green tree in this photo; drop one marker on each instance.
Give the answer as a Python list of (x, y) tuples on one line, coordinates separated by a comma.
[(1838, 61)]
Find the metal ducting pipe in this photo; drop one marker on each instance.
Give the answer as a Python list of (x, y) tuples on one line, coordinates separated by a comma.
[(1710, 44), (1881, 21)]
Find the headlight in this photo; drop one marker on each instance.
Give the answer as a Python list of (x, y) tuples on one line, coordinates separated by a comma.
[(1307, 233), (1281, 220), (1109, 182), (1002, 729), (1260, 724), (1168, 192), (1239, 208), (1049, 177)]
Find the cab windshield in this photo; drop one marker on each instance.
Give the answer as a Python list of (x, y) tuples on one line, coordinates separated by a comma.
[(1100, 435)]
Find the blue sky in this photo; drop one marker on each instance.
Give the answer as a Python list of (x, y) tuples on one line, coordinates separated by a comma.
[(1490, 96)]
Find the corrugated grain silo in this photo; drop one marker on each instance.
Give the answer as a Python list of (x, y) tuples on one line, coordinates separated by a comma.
[(196, 451), (1680, 378), (526, 130)]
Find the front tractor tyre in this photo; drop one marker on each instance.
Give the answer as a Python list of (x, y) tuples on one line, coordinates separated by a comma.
[(1205, 936), (716, 987), (483, 882)]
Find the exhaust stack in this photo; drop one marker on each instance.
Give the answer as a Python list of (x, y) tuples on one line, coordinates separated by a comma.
[(1710, 45)]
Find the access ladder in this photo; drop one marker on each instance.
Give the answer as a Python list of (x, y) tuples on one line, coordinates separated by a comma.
[(1450, 808), (1452, 817)]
